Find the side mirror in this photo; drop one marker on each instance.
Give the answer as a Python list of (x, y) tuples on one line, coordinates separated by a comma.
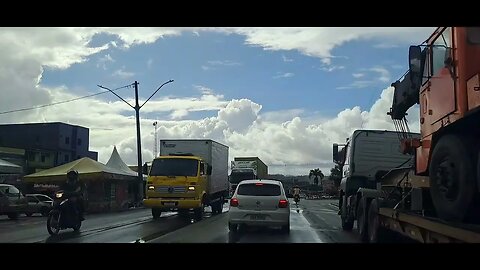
[(209, 169), (415, 60), (145, 168), (473, 35), (335, 153)]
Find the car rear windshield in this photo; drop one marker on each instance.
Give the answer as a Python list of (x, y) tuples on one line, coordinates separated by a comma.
[(259, 190)]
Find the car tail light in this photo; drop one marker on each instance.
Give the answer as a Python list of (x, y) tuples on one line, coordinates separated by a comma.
[(234, 202), (258, 184), (283, 204)]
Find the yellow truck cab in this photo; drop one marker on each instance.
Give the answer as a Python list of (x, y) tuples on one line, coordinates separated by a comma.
[(188, 175)]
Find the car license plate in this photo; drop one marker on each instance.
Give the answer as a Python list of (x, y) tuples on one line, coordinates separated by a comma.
[(257, 217), (169, 203)]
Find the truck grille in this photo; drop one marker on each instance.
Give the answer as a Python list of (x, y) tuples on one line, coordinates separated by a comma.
[(171, 189)]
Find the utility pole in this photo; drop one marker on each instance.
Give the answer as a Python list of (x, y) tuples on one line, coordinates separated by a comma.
[(155, 139), (137, 108), (139, 141)]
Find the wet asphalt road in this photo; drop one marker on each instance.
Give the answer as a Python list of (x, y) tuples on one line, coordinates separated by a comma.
[(315, 222)]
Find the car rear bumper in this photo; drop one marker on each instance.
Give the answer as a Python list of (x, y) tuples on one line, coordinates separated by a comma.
[(278, 217)]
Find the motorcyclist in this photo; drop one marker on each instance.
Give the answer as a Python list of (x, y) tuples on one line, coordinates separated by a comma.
[(73, 189), (296, 193)]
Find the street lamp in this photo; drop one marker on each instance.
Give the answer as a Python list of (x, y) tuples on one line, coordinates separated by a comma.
[(137, 108), (155, 139)]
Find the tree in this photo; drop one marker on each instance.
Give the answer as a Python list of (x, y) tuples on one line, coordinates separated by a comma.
[(318, 174), (336, 175)]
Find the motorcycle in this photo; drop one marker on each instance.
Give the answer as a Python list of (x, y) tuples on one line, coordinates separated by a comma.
[(296, 198), (64, 214)]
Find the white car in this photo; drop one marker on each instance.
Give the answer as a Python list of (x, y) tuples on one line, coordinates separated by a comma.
[(259, 203)]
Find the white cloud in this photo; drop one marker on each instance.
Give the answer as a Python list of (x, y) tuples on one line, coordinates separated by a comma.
[(320, 41), (149, 63), (102, 61), (286, 59), (358, 84), (121, 73), (380, 75), (213, 64), (284, 75), (385, 46), (384, 74), (358, 75), (204, 90), (332, 68), (223, 63)]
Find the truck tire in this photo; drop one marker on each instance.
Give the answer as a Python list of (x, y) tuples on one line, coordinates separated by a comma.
[(13, 216), (217, 207), (198, 212), (156, 213), (452, 179), (347, 225), (286, 228), (362, 220), (375, 232), (232, 227)]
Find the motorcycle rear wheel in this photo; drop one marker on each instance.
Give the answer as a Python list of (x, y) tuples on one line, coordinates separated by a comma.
[(53, 220)]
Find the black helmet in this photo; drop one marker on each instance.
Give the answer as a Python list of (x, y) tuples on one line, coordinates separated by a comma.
[(72, 174)]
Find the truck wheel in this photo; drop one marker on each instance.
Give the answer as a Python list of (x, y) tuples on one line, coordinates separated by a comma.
[(452, 179), (220, 205), (156, 213), (286, 228), (198, 212), (347, 225), (13, 216), (232, 227), (217, 207), (362, 219), (375, 232)]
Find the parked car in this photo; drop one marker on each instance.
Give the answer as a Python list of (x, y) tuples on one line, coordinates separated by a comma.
[(259, 203), (38, 203), (12, 201)]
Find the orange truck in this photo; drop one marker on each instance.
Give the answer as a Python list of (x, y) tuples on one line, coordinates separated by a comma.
[(437, 199)]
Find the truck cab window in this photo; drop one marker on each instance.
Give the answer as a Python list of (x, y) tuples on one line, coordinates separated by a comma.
[(440, 51), (426, 66)]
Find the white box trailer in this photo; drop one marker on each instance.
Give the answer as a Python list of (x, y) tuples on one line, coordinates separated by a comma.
[(212, 152)]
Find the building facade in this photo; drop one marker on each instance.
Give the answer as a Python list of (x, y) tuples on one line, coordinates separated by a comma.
[(47, 145)]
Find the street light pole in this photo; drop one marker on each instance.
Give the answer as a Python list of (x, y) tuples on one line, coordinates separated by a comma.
[(137, 108), (139, 141)]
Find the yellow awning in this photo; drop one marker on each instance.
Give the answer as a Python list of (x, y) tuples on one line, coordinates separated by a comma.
[(88, 169)]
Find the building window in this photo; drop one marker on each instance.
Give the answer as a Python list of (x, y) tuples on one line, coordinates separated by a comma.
[(79, 141), (66, 158), (67, 140), (43, 158), (31, 157)]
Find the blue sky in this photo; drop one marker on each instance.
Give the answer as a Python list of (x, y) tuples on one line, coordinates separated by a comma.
[(283, 94), (278, 80)]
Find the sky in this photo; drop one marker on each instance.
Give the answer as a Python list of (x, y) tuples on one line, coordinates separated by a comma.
[(282, 94)]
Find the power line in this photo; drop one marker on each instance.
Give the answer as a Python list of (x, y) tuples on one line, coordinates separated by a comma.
[(61, 102)]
